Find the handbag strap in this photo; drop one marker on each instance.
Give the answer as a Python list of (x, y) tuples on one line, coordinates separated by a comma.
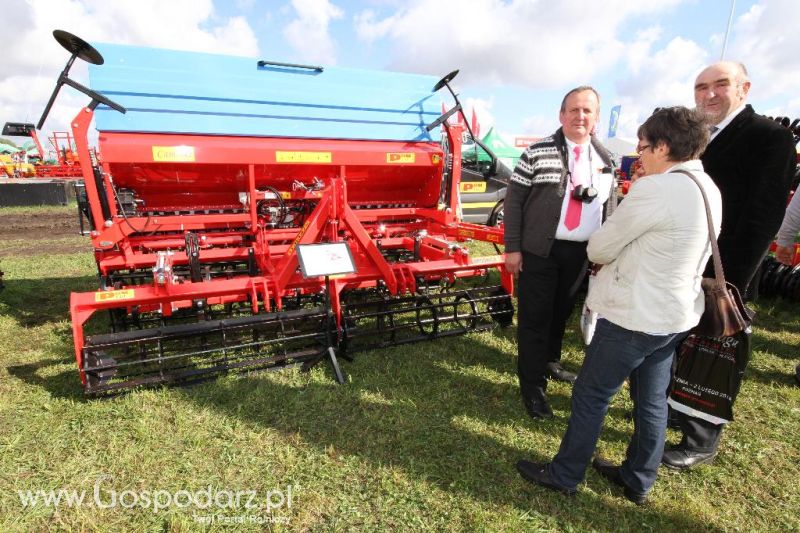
[(719, 275)]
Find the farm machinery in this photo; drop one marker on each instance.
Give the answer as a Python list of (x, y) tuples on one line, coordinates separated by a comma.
[(253, 215), (66, 164)]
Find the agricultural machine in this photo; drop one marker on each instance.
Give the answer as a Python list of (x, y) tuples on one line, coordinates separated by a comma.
[(252, 215), (66, 165)]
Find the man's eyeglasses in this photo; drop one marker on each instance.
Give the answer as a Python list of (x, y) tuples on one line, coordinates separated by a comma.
[(641, 148)]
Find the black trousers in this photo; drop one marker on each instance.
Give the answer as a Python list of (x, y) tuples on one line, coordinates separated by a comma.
[(546, 296), (698, 434)]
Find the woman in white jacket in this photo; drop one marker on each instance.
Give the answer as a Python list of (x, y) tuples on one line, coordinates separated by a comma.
[(653, 251)]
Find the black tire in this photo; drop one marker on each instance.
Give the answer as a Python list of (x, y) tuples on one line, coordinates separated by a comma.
[(500, 308), (496, 216)]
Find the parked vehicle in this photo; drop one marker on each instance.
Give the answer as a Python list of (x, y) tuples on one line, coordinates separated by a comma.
[(483, 184)]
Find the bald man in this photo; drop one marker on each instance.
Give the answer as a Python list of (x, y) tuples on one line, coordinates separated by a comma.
[(752, 160)]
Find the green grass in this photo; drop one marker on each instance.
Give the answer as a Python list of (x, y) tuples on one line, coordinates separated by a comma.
[(421, 437), (70, 208)]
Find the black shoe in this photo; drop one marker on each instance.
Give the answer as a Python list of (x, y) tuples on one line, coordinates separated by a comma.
[(559, 373), (537, 473), (536, 405), (611, 473), (680, 458)]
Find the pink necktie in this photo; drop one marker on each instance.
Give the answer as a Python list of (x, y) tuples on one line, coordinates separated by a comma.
[(573, 216)]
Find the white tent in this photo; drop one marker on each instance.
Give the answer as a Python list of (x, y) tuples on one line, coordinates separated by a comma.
[(620, 147)]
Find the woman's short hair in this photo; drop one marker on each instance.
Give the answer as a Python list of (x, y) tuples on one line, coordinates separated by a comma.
[(683, 130)]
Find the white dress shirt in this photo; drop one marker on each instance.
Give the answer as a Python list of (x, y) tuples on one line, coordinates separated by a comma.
[(725, 121), (591, 165)]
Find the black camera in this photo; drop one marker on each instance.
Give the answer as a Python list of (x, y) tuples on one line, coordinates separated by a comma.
[(584, 194)]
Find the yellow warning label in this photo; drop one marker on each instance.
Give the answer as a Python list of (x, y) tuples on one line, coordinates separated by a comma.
[(472, 186), (303, 157), (400, 157), (466, 233), (286, 195), (488, 259), (173, 153), (105, 296)]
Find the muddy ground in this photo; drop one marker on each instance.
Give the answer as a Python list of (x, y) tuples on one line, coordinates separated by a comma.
[(61, 229)]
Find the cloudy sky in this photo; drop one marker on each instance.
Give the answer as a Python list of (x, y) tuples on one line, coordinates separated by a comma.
[(517, 57)]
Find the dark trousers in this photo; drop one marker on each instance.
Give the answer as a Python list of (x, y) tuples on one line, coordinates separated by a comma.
[(698, 435), (615, 354), (546, 295)]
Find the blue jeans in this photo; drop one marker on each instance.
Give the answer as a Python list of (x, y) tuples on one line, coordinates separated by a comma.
[(615, 354)]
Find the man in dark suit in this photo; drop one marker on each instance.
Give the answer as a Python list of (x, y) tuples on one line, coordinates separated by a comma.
[(751, 159)]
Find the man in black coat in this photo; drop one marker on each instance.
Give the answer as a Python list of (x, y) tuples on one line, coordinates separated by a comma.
[(752, 161)]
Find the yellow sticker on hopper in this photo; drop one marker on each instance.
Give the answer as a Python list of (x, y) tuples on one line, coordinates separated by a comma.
[(106, 296), (173, 153), (303, 157), (400, 157)]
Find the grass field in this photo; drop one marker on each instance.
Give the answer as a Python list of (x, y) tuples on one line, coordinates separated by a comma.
[(422, 437)]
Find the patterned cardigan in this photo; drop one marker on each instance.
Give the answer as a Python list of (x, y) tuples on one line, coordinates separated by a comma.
[(535, 193), (540, 163)]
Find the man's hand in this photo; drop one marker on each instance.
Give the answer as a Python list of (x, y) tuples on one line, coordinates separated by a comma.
[(784, 254), (514, 262)]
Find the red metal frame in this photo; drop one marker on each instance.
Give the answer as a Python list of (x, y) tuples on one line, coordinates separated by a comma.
[(399, 182)]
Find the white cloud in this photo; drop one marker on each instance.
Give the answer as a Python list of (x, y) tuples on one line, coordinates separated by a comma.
[(482, 109), (309, 34), (766, 41), (656, 78), (759, 38), (32, 58), (665, 76), (638, 52), (540, 125), (245, 5), (533, 43), (648, 79)]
